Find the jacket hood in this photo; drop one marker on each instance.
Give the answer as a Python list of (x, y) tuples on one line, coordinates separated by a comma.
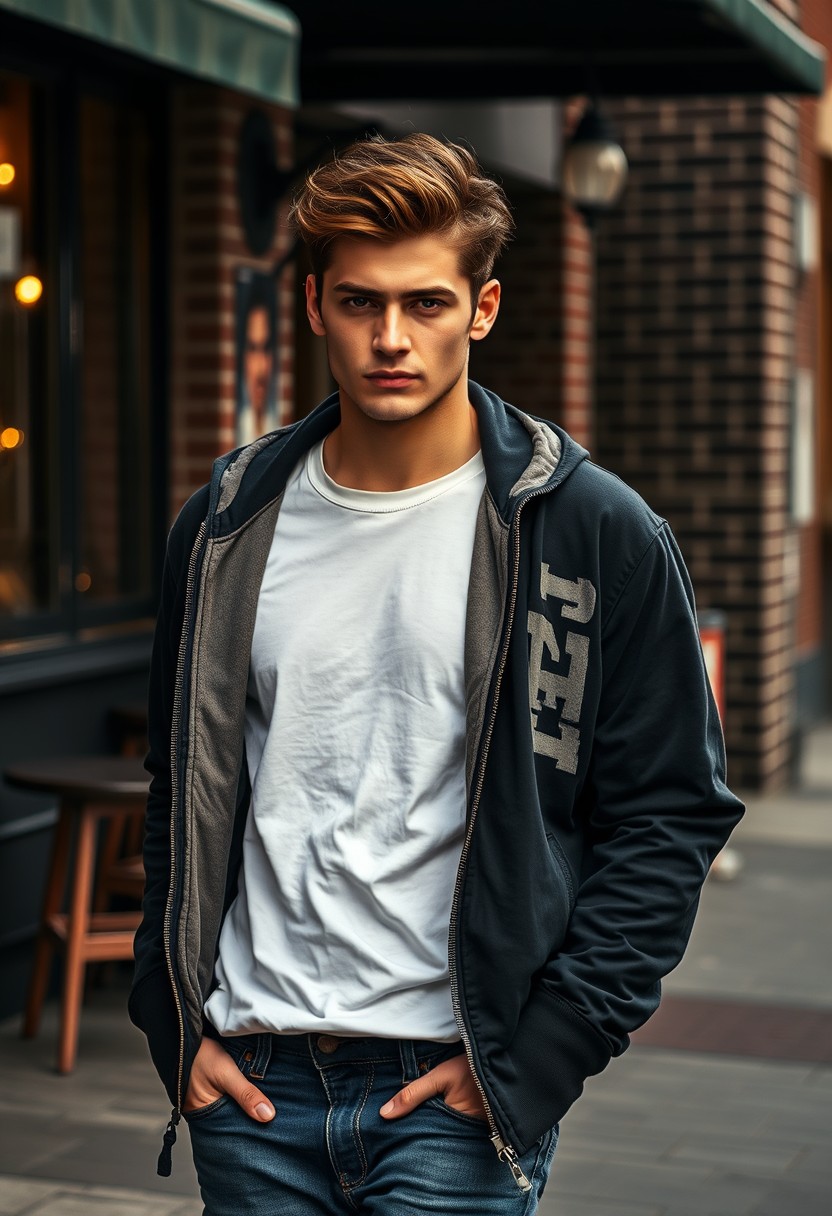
[(521, 454)]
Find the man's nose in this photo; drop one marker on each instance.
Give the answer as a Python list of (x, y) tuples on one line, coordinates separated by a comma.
[(390, 336)]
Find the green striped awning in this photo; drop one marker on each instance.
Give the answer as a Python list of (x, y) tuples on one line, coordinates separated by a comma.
[(248, 45)]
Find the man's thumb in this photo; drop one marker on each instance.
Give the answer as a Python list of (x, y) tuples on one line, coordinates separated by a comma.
[(252, 1100)]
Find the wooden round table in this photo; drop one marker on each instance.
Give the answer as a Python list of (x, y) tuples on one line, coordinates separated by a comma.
[(90, 788)]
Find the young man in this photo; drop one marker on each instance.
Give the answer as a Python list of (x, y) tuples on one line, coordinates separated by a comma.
[(437, 773)]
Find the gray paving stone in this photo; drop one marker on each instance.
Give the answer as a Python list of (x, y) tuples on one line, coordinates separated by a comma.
[(725, 1192), (751, 1107), (742, 922), (816, 1161), (575, 1205), (761, 1160), (116, 1158), (793, 1198), (23, 1197), (26, 1144), (18, 1194), (643, 1182), (112, 1203), (80, 1115)]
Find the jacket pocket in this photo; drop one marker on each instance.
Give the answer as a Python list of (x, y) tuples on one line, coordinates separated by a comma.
[(565, 869)]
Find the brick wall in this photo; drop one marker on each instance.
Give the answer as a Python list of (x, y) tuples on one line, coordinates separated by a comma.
[(538, 354), (694, 356), (208, 244)]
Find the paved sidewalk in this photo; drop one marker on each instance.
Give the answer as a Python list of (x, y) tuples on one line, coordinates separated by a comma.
[(722, 1107)]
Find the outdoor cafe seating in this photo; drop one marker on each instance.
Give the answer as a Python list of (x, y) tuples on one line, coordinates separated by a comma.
[(84, 875)]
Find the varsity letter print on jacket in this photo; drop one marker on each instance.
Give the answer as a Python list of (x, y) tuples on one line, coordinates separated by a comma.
[(547, 687)]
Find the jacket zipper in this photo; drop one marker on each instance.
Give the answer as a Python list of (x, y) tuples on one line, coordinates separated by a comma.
[(505, 1151), (164, 1164)]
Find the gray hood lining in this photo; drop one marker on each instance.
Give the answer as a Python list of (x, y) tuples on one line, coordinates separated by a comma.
[(233, 474), (546, 453)]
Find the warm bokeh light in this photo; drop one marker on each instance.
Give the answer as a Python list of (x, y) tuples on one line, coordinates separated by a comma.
[(83, 581), (11, 437), (6, 174), (28, 290)]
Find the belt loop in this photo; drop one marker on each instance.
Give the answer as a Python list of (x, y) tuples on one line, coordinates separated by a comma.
[(407, 1051), (262, 1055)]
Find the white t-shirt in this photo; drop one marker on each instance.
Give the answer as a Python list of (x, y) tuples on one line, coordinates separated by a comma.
[(355, 740)]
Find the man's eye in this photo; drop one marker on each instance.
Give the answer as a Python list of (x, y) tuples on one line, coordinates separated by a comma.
[(430, 305), (357, 302)]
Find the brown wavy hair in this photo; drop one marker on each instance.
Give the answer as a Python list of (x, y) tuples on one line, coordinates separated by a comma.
[(413, 186)]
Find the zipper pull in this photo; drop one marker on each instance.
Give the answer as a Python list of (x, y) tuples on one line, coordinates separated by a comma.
[(163, 1166), (506, 1153)]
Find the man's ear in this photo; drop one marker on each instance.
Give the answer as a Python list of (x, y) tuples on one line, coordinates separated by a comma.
[(313, 307), (485, 314)]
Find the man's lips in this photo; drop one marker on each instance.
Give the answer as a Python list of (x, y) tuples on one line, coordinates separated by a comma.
[(392, 379)]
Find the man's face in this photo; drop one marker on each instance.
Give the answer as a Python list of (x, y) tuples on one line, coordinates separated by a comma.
[(397, 322), (258, 358)]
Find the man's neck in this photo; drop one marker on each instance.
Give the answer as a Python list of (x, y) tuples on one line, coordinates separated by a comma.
[(366, 454)]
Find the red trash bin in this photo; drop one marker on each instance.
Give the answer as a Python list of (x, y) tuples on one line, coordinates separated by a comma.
[(712, 636)]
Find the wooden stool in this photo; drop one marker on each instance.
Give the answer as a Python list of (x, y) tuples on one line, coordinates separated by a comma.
[(120, 867), (90, 788)]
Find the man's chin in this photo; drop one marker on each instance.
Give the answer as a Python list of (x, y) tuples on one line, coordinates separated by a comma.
[(392, 409)]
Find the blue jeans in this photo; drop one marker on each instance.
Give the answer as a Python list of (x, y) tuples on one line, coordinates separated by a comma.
[(328, 1151)]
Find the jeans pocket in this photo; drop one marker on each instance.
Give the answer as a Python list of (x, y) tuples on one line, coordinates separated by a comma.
[(439, 1103), (202, 1111), (241, 1050)]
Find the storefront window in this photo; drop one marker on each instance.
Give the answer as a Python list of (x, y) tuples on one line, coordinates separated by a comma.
[(76, 411), (29, 542)]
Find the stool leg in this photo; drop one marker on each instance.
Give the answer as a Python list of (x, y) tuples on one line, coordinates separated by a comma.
[(111, 849), (77, 929), (45, 947)]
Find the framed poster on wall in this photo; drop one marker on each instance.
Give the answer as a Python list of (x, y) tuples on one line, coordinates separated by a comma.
[(256, 331)]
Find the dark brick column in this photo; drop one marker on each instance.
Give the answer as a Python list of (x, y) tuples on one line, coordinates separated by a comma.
[(695, 357)]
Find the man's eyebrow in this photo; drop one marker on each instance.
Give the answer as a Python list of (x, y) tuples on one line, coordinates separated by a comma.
[(423, 293)]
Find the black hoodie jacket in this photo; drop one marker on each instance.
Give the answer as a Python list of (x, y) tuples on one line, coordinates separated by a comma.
[(595, 763)]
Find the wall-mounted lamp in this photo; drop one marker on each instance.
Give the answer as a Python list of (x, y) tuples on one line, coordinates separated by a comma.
[(594, 166), (11, 437), (28, 290), (7, 174)]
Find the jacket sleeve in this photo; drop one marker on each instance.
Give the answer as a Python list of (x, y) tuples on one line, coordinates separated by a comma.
[(656, 812), (151, 1005)]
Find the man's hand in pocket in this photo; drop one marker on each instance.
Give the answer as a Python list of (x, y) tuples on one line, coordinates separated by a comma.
[(214, 1073), (452, 1081)]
